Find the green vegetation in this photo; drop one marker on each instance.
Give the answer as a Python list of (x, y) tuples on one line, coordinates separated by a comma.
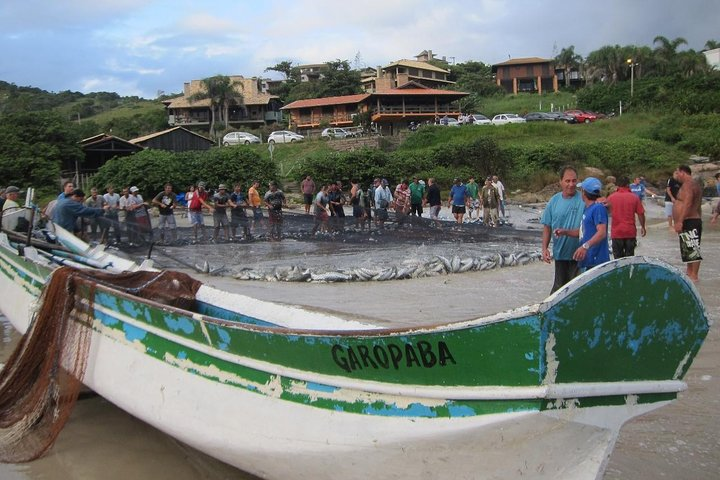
[(525, 155), (673, 111), (33, 146), (149, 170)]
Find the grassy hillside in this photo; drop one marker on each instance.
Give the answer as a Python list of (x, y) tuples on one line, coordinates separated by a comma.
[(526, 102)]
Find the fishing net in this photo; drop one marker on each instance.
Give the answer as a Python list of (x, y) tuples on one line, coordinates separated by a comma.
[(41, 380)]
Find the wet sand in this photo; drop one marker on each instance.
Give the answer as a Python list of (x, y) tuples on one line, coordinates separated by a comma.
[(679, 441)]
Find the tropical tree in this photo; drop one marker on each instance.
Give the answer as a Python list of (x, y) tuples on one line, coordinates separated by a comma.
[(222, 93), (339, 79), (286, 68), (666, 53), (690, 62), (568, 59), (608, 64), (712, 45)]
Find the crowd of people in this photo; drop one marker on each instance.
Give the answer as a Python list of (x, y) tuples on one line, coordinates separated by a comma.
[(111, 217), (578, 225), (408, 200), (578, 220)]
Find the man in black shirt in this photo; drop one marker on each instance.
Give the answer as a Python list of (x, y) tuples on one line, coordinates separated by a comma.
[(433, 199), (671, 191)]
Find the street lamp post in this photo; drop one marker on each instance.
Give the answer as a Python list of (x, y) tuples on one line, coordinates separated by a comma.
[(632, 76)]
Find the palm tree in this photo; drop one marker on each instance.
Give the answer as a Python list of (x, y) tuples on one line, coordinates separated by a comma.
[(609, 63), (568, 59), (221, 92), (712, 45), (666, 53), (691, 62)]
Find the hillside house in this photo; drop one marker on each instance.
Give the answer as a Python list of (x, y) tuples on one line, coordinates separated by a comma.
[(390, 110), (403, 71), (256, 109), (533, 75)]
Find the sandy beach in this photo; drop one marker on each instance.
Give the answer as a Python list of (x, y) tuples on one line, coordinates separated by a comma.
[(679, 441)]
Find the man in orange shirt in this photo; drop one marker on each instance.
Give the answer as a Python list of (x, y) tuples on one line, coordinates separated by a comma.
[(255, 201)]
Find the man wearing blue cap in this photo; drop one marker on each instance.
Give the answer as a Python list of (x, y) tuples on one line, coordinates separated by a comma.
[(594, 249), (561, 220)]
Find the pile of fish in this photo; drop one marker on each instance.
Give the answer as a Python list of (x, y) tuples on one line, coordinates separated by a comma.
[(433, 266)]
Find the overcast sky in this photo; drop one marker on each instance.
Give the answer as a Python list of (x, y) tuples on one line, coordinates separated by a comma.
[(142, 47)]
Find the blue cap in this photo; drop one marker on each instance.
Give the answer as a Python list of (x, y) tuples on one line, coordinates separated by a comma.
[(591, 185)]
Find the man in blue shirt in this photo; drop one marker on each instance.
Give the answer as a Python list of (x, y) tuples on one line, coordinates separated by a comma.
[(561, 220), (458, 196), (594, 249), (638, 188), (67, 212)]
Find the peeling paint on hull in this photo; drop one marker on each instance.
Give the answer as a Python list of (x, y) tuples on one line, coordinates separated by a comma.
[(246, 393)]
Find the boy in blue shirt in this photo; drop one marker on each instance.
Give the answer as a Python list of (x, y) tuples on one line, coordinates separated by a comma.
[(593, 248)]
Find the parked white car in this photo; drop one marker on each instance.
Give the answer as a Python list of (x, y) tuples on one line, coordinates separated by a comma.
[(336, 132), (505, 118), (284, 136), (238, 138), (477, 119)]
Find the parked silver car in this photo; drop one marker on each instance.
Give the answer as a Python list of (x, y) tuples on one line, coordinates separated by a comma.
[(284, 136), (505, 118), (336, 132), (238, 138), (476, 119)]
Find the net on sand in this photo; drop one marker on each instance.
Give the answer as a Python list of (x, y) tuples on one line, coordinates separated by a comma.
[(41, 380)]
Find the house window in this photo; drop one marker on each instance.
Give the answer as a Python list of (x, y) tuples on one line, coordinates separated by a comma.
[(414, 72), (529, 71)]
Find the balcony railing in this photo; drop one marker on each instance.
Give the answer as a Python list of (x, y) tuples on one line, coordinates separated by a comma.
[(414, 109)]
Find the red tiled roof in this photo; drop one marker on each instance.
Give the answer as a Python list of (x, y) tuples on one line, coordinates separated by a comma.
[(418, 91), (523, 61), (321, 102), (350, 99)]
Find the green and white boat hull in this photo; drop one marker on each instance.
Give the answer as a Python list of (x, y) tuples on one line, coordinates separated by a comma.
[(540, 391)]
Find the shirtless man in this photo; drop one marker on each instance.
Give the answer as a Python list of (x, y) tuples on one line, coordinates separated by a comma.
[(688, 221)]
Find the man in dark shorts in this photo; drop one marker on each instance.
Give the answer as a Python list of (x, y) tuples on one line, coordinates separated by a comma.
[(238, 215), (275, 201), (624, 207), (457, 199), (561, 221), (688, 221), (308, 189)]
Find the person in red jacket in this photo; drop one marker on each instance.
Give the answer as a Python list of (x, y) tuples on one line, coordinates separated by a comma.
[(624, 206)]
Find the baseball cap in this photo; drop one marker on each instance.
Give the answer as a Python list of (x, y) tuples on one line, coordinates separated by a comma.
[(221, 186), (12, 189), (201, 184), (134, 189), (591, 185)]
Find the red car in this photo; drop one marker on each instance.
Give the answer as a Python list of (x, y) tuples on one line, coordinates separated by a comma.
[(581, 116)]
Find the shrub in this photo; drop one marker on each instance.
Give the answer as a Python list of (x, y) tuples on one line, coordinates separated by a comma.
[(149, 170)]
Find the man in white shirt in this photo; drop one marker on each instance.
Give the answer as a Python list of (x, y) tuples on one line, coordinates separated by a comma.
[(112, 219), (501, 191)]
